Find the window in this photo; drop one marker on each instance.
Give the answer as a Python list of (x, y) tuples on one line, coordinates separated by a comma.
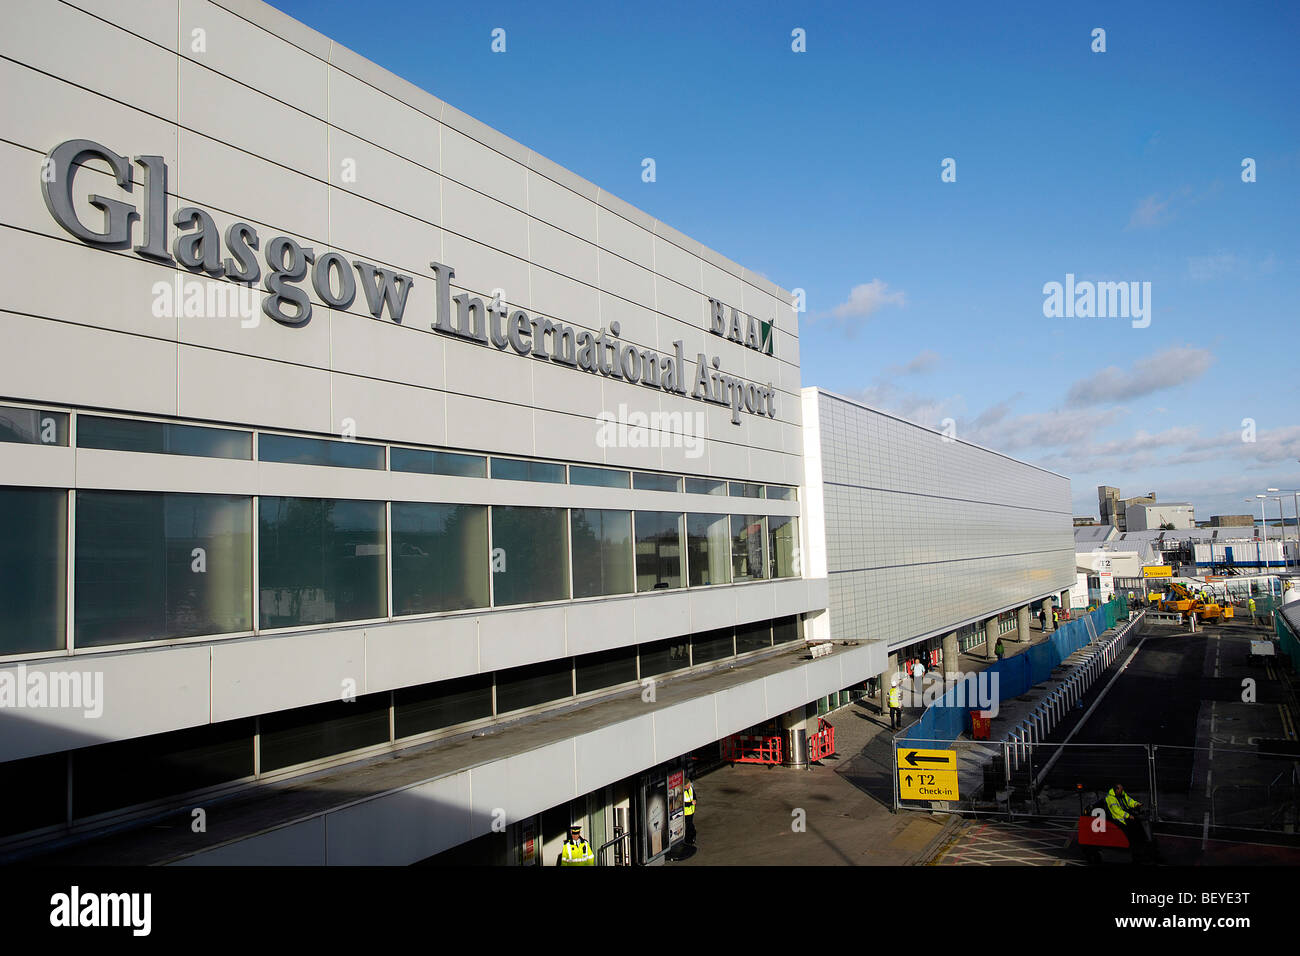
[(705, 486), (601, 477), (602, 552), (162, 438), (319, 451), (418, 710), (753, 637), (152, 566), (780, 493), (605, 669), (124, 773), (437, 463), (785, 630), (649, 481), (33, 426), (747, 547), (534, 684), (708, 545), (660, 657), (743, 489), (33, 570), (513, 469), (712, 646), (658, 550), (306, 734), (530, 555), (440, 557), (321, 560), (783, 546)]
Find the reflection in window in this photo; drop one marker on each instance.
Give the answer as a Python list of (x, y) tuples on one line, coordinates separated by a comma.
[(321, 560), (601, 477), (744, 489), (534, 684), (440, 557), (783, 546), (658, 550), (747, 547), (515, 469), (291, 450), (708, 545), (33, 569), (705, 486), (437, 463), (162, 438), (605, 668), (418, 710), (530, 555), (602, 552), (660, 657), (153, 566), (753, 637), (712, 646), (650, 481), (33, 426)]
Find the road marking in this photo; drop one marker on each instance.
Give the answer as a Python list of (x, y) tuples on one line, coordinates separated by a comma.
[(1209, 774), (1205, 831), (1212, 703)]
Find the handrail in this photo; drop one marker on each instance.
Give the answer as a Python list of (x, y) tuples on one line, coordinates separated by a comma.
[(618, 837)]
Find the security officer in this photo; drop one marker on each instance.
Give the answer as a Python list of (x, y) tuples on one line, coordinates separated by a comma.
[(895, 706), (688, 797), (1121, 808), (576, 851)]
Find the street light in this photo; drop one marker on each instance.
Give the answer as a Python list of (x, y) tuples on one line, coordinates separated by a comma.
[(1264, 523)]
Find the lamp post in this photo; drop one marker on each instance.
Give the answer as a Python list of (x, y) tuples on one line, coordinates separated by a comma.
[(1264, 525)]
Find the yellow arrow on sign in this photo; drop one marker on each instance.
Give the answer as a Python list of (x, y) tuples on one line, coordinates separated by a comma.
[(913, 759), (927, 784)]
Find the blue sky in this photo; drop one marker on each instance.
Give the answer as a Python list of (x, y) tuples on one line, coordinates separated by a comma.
[(821, 170)]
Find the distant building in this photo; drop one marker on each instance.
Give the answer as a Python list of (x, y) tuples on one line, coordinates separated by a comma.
[(1175, 515), (1087, 521), (1232, 521)]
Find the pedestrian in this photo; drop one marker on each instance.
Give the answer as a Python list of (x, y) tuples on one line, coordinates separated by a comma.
[(688, 797), (576, 851), (1251, 605), (918, 671), (999, 649), (895, 706)]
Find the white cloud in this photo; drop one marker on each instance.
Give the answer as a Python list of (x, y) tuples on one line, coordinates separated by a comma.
[(1150, 212), (923, 362), (867, 299), (1170, 368)]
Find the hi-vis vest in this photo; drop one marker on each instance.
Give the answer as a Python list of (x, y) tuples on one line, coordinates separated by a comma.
[(577, 854), (689, 796), (1251, 605), (895, 697), (1118, 807)]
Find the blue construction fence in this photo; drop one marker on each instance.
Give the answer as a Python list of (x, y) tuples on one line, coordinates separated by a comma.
[(949, 716)]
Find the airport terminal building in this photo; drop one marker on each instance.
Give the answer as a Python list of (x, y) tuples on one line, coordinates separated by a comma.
[(375, 488)]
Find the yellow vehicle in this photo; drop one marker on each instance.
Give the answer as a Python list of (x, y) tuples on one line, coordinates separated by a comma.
[(1185, 602)]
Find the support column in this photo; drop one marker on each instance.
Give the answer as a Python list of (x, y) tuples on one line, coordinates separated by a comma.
[(990, 638), (882, 682), (1048, 625), (1023, 633), (951, 655), (1065, 600)]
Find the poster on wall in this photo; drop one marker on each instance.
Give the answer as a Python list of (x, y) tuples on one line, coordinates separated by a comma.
[(528, 842), (656, 818), (676, 807)]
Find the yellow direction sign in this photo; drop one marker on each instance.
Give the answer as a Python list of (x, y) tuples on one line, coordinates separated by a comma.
[(927, 784), (910, 758), (1158, 571)]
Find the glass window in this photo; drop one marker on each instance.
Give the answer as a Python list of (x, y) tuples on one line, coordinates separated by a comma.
[(712, 646), (33, 570), (530, 555), (602, 477), (605, 669), (162, 438), (649, 481), (319, 451), (747, 547), (780, 493), (783, 546), (785, 630), (514, 469), (321, 560), (124, 773), (33, 793), (708, 544), (660, 657), (304, 734), (658, 550), (438, 463), (744, 489), (418, 710), (602, 552), (33, 426), (440, 557), (534, 684), (705, 486), (153, 566), (753, 637)]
